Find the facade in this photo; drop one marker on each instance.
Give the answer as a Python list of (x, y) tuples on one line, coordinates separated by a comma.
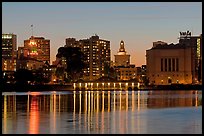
[(72, 42), (141, 74), (122, 64), (201, 65), (37, 48), (122, 58), (26, 62), (29, 63), (9, 45), (167, 64), (126, 73), (97, 53), (195, 43)]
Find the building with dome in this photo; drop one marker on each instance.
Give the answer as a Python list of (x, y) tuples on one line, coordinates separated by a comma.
[(125, 70), (122, 58)]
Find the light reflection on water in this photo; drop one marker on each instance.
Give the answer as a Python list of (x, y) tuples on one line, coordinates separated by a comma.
[(121, 112)]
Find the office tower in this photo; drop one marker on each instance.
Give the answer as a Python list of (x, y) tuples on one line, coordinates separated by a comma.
[(9, 45), (97, 56), (37, 48), (195, 43), (71, 42), (97, 53)]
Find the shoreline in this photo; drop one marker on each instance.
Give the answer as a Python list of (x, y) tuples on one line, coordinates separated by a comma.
[(69, 87)]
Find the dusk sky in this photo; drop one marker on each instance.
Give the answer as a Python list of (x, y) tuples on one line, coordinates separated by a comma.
[(139, 24)]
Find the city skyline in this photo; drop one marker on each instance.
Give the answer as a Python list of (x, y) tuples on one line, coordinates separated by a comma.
[(138, 24)]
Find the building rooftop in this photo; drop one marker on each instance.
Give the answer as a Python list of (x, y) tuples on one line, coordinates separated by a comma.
[(169, 46)]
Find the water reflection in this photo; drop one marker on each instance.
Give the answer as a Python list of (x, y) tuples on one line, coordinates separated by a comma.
[(161, 99), (34, 116), (91, 111), (9, 113)]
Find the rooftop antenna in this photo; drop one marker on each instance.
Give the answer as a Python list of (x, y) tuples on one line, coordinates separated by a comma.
[(32, 30)]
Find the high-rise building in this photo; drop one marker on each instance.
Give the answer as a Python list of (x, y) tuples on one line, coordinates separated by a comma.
[(26, 62), (9, 45), (201, 65), (122, 64), (97, 53), (195, 43), (72, 42), (37, 48), (97, 56)]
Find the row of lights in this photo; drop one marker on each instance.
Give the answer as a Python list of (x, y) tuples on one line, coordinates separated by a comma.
[(97, 84)]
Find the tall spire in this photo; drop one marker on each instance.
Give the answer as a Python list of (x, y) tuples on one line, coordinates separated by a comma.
[(32, 31)]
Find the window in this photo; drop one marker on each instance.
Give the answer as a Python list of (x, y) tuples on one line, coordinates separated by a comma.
[(165, 63), (161, 64), (169, 64), (173, 64), (177, 64)]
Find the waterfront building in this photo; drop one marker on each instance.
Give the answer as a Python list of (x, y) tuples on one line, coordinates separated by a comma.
[(141, 74), (25, 62), (97, 56), (125, 70), (122, 58), (195, 43), (9, 45), (139, 71), (126, 73), (37, 48), (97, 53), (53, 69), (29, 63), (201, 65), (169, 63)]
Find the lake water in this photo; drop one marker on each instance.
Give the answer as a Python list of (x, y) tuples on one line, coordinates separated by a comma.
[(102, 112)]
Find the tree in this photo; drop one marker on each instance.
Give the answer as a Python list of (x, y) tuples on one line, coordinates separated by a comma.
[(74, 60), (60, 72), (38, 76)]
